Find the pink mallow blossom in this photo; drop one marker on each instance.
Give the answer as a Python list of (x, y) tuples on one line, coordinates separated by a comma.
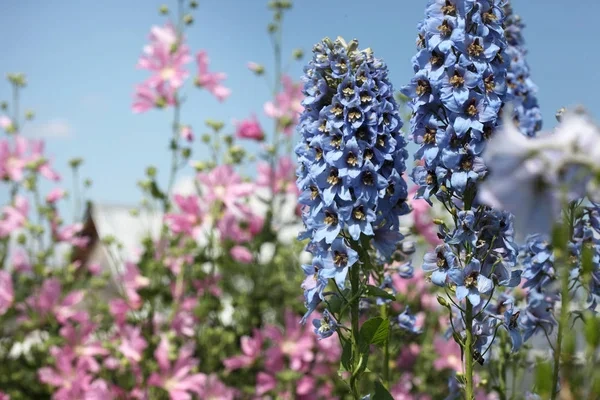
[(189, 220), (55, 195), (287, 106), (147, 97), (79, 337), (165, 57), (14, 217), (47, 301), (240, 226), (211, 81), (241, 254), (6, 291), (13, 161), (249, 129), (177, 378), (70, 376), (448, 353), (225, 185), (251, 349), (186, 133), (5, 123), (132, 281), (423, 222), (284, 178), (132, 343)]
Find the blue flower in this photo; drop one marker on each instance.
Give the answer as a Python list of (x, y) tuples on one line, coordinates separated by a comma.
[(407, 322), (351, 158), (520, 86), (439, 263), (511, 323), (338, 260), (470, 283), (326, 326)]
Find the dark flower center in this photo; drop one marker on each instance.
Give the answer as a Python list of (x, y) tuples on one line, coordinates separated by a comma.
[(340, 259), (359, 213), (336, 141), (449, 8), (353, 116), (314, 192), (337, 110), (348, 91), (422, 87), (471, 108), (323, 127), (319, 154), (441, 260), (367, 178), (429, 136), (490, 85), (489, 17), (421, 41), (471, 279), (333, 178), (457, 80), (331, 218), (352, 159), (368, 154), (430, 179), (445, 28), (475, 49)]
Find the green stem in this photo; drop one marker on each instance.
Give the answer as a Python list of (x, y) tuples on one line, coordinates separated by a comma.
[(354, 315), (386, 351), (562, 323), (469, 352)]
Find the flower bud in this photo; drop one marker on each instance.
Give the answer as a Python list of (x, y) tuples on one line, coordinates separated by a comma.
[(215, 125), (298, 54), (29, 115), (151, 172), (163, 9), (188, 19), (75, 162), (193, 4), (443, 302)]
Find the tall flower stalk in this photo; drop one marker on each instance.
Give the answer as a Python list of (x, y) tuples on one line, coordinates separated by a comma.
[(351, 163), (458, 92)]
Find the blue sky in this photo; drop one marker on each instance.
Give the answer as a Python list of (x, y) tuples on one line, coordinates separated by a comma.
[(80, 56)]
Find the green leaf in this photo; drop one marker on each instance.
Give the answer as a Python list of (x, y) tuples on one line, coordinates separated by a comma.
[(381, 393), (543, 379), (374, 291), (346, 356), (592, 331), (374, 331)]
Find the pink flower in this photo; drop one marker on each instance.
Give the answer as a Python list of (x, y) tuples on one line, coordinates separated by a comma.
[(69, 375), (147, 97), (213, 388), (240, 226), (55, 195), (132, 344), (208, 284), (241, 254), (249, 129), (14, 217), (47, 301), (284, 178), (287, 105), (12, 162), (448, 353), (251, 349), (4, 396), (423, 221), (6, 291), (165, 58), (70, 234), (225, 185), (5, 122), (189, 220), (20, 261), (265, 383), (187, 133), (210, 80), (255, 67), (80, 338), (184, 321), (296, 344), (132, 281), (118, 309), (177, 379), (408, 356), (39, 160)]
